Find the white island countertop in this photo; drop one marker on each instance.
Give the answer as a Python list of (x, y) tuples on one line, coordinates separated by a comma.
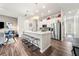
[(38, 32), (44, 39)]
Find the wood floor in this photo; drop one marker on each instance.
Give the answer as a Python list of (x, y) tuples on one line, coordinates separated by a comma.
[(58, 48), (14, 49)]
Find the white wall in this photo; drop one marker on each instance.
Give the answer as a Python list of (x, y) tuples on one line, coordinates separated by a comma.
[(30, 25), (76, 27), (71, 26), (21, 25), (26, 25), (12, 20)]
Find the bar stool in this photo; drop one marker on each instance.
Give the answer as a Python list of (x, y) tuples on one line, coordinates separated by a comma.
[(25, 39), (30, 41), (35, 43)]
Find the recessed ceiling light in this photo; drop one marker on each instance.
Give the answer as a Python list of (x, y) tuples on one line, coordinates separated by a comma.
[(69, 12), (49, 11), (44, 6)]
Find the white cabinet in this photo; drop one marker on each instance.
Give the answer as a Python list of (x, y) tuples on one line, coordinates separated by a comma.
[(44, 39)]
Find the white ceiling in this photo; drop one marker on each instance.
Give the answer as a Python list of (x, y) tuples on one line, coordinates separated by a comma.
[(34, 9)]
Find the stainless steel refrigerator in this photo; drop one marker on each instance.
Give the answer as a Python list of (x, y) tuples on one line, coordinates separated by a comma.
[(56, 30)]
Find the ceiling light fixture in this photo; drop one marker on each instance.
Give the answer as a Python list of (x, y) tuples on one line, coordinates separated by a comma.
[(44, 6), (69, 12), (49, 11)]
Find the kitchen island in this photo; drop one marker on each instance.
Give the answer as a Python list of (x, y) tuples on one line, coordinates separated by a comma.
[(44, 39)]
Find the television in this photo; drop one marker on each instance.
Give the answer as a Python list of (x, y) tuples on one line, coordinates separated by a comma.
[(1, 25)]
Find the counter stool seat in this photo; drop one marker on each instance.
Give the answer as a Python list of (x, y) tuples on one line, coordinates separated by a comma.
[(35, 46), (31, 42)]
